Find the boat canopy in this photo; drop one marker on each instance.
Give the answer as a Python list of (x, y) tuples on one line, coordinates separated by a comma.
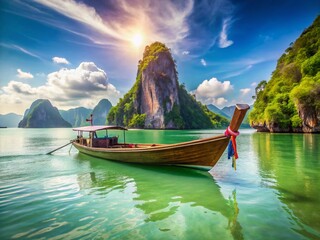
[(98, 128)]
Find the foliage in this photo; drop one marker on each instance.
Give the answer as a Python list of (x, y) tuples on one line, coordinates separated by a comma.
[(137, 121), (312, 65), (151, 53), (308, 92), (197, 115), (295, 82), (174, 117), (261, 86)]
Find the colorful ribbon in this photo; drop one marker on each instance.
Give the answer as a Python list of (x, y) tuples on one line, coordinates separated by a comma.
[(232, 146)]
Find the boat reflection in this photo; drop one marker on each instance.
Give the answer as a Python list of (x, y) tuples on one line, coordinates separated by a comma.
[(291, 163), (161, 191)]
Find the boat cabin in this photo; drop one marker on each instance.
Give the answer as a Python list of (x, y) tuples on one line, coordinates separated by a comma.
[(92, 140)]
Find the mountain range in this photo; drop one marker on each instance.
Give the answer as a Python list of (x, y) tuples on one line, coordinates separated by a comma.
[(227, 112), (42, 114), (10, 120)]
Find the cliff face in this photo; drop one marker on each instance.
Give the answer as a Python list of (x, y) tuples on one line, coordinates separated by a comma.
[(158, 101), (101, 111), (42, 115), (159, 91), (310, 119), (76, 116), (290, 101)]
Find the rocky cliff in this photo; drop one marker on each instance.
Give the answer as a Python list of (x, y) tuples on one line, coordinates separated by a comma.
[(290, 101), (42, 115), (76, 116), (158, 101), (101, 111)]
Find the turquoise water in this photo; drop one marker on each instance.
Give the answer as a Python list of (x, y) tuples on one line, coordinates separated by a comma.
[(274, 194)]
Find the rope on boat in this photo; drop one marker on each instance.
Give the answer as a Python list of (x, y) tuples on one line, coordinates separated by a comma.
[(60, 147), (232, 146)]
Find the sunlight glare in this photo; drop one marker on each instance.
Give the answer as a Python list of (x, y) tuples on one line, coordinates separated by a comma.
[(137, 40)]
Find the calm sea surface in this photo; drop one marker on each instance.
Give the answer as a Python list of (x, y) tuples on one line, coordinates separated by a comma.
[(274, 194)]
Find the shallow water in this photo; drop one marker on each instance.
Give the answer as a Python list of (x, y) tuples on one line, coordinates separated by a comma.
[(274, 194)]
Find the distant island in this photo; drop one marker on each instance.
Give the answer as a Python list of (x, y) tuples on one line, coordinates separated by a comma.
[(158, 101), (77, 116), (10, 120), (101, 111), (42, 114), (228, 111), (290, 101)]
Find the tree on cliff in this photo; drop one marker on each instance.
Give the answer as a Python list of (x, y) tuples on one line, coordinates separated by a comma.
[(156, 99), (290, 101)]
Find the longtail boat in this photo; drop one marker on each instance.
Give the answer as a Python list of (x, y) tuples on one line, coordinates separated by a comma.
[(201, 152)]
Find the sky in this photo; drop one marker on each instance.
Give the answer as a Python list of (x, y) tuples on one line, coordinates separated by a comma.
[(75, 53)]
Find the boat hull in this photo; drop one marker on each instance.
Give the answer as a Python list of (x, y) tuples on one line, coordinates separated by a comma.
[(203, 152)]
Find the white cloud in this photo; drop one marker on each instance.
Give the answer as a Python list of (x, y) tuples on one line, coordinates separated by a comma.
[(164, 21), (60, 60), (203, 62), (221, 101), (213, 91), (24, 75), (245, 91), (223, 41), (20, 49), (253, 84), (185, 53), (83, 86), (238, 72), (18, 88)]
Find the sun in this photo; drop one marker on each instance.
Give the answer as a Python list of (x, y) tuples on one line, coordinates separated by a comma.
[(137, 40)]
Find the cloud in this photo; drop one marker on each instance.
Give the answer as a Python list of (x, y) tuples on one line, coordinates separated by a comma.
[(20, 49), (245, 91), (24, 75), (253, 84), (203, 62), (83, 86), (60, 60), (19, 88), (164, 21), (237, 72), (213, 91), (185, 53), (223, 41)]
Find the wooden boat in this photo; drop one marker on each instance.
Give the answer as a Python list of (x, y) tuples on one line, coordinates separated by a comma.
[(201, 152)]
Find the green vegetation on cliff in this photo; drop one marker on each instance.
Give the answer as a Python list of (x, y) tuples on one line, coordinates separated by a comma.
[(184, 111), (197, 115), (125, 112), (290, 101)]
